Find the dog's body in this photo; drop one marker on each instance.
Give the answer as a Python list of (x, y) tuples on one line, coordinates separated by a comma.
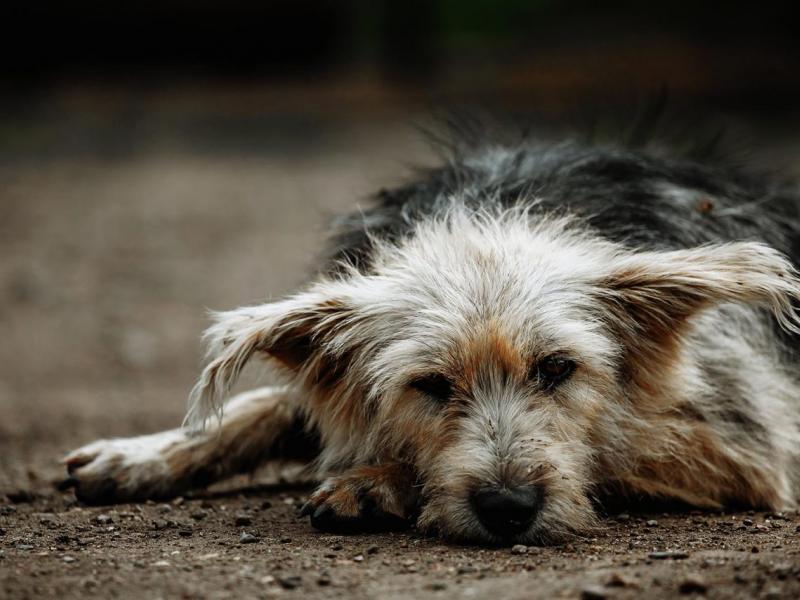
[(490, 348)]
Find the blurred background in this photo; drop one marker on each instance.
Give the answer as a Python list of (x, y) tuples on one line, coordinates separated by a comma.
[(161, 158)]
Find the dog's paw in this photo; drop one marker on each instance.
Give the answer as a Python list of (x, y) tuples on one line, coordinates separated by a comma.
[(121, 470), (364, 500)]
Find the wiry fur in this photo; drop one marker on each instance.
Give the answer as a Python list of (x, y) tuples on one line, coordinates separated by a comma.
[(669, 284)]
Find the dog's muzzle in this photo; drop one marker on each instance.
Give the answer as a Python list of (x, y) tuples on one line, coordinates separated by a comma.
[(506, 512)]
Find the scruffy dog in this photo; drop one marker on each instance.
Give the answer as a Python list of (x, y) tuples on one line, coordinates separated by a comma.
[(496, 345)]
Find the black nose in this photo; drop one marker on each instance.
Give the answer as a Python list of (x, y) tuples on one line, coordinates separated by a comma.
[(507, 511)]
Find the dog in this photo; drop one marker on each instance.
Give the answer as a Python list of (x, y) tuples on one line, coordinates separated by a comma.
[(491, 349)]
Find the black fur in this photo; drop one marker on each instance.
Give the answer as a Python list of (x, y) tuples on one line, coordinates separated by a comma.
[(628, 196)]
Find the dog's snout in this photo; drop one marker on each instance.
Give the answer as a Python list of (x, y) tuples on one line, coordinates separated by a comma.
[(507, 511)]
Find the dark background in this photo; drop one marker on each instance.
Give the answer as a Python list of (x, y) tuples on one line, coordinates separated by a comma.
[(231, 69)]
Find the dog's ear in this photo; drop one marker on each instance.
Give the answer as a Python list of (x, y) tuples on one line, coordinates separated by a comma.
[(299, 334), (652, 295)]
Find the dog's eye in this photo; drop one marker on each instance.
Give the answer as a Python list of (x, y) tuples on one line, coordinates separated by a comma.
[(553, 370), (436, 386)]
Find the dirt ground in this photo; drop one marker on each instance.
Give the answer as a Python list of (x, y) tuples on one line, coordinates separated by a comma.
[(118, 228)]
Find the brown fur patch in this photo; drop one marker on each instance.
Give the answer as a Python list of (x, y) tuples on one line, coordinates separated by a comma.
[(703, 474)]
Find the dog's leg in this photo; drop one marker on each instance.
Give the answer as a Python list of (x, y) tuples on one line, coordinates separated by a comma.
[(370, 498), (256, 426)]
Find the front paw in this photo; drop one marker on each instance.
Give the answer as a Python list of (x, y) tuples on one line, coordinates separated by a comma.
[(121, 470), (366, 500)]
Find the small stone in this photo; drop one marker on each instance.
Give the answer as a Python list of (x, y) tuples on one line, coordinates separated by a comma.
[(693, 584), (782, 571), (324, 580), (464, 569), (519, 549), (285, 540), (437, 586), (773, 593), (198, 515), (185, 532), (623, 517), (266, 505), (372, 549), (748, 522), (247, 538), (593, 592), (68, 559), (619, 580), (739, 578), (104, 519), (242, 520), (161, 564), (290, 582), (652, 523), (673, 554), (358, 558)]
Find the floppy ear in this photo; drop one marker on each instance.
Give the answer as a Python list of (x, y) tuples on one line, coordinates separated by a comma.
[(297, 333), (652, 295)]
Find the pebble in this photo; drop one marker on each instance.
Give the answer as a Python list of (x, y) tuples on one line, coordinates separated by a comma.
[(372, 549), (674, 554), (593, 592), (652, 523), (159, 524), (437, 586), (324, 580), (619, 580), (68, 559), (465, 569), (773, 593), (290, 582), (519, 549), (693, 584), (104, 519), (242, 520), (199, 515), (358, 558), (247, 538), (160, 564)]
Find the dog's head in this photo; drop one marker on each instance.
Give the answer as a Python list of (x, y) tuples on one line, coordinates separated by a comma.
[(497, 354)]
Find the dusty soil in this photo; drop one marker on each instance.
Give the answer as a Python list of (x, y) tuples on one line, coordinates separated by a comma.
[(118, 228)]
